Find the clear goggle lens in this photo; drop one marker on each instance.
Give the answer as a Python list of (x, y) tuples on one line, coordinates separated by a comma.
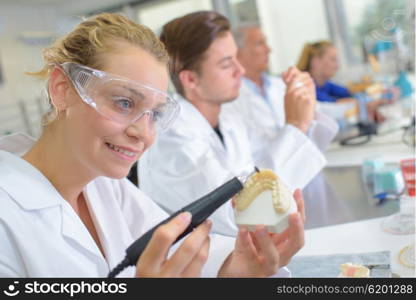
[(122, 100)]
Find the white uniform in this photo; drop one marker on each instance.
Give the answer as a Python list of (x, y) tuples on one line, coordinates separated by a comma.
[(264, 118), (42, 236), (189, 161)]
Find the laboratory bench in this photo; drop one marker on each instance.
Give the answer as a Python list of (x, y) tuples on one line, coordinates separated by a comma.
[(344, 184)]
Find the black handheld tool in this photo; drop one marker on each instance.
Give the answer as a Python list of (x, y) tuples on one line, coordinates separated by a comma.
[(200, 209), (365, 131)]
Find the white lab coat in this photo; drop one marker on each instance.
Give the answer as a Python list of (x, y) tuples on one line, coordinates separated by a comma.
[(42, 236), (265, 123), (189, 161)]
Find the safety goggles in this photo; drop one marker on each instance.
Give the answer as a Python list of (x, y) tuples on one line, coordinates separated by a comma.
[(119, 99)]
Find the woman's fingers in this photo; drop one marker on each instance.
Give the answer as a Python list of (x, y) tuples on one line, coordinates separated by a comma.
[(156, 251), (189, 251), (297, 232), (268, 254), (295, 241), (300, 203), (195, 266), (244, 244), (280, 237), (234, 201)]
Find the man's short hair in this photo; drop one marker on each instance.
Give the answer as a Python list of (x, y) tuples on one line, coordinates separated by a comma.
[(188, 38)]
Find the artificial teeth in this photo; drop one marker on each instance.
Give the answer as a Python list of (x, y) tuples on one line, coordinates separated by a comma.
[(262, 181)]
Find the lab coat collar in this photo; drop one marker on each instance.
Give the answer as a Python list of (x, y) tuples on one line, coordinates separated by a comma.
[(111, 237), (73, 229), (189, 114), (18, 170), (14, 169), (251, 85)]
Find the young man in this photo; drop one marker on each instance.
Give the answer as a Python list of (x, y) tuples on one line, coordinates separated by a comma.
[(265, 105), (203, 149)]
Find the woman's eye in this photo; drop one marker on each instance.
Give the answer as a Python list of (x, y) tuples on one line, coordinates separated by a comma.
[(157, 115), (123, 103)]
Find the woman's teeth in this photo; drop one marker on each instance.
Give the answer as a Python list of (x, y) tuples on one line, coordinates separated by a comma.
[(128, 153)]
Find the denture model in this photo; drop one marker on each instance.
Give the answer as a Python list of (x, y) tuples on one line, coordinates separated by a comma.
[(354, 270), (265, 200)]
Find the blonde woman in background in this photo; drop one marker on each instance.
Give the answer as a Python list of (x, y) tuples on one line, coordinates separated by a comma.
[(321, 60), (66, 209)]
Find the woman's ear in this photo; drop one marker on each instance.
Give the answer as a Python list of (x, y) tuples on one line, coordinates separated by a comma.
[(189, 79), (59, 89)]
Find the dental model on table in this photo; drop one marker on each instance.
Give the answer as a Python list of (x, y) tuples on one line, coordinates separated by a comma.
[(354, 270)]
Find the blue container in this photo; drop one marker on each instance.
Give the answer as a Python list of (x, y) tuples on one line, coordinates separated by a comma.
[(404, 85)]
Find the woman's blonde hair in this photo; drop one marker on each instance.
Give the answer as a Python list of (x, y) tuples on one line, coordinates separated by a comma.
[(93, 37), (310, 51)]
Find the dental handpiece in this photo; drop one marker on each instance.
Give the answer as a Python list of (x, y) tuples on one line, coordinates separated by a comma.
[(200, 210)]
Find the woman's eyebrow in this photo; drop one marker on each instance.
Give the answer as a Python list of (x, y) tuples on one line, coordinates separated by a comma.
[(134, 92)]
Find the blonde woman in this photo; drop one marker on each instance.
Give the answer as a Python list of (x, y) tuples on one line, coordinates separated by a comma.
[(321, 60), (65, 207)]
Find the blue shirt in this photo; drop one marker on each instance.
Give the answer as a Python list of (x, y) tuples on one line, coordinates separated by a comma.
[(331, 92)]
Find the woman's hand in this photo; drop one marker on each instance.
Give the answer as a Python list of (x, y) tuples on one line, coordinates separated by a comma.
[(290, 241), (188, 259), (261, 254), (254, 256)]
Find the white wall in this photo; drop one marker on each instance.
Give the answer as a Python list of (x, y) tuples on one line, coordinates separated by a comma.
[(288, 25), (157, 15), (18, 56)]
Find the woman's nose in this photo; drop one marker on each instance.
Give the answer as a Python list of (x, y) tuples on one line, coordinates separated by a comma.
[(144, 128)]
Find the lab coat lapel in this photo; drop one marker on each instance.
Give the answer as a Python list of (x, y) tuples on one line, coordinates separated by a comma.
[(226, 151), (43, 191), (44, 196), (219, 147), (114, 239), (75, 231), (200, 126), (236, 147)]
